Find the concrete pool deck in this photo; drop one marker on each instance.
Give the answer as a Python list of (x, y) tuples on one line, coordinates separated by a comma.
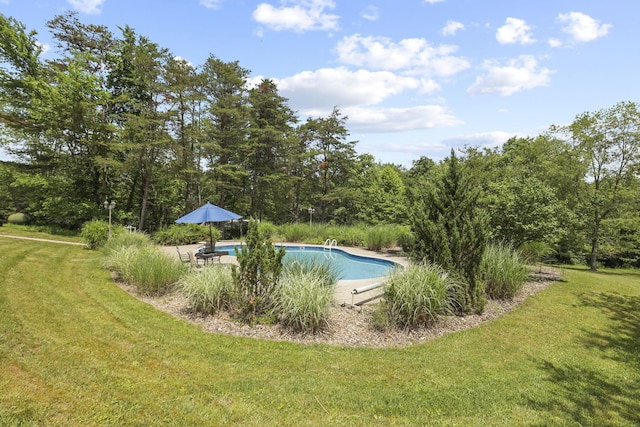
[(343, 287)]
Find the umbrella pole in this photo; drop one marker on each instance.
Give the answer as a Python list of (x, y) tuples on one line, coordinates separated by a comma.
[(210, 238)]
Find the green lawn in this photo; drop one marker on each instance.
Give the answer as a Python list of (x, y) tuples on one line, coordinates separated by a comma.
[(35, 231), (77, 350)]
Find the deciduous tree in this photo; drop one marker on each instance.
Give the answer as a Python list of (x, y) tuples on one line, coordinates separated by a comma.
[(608, 141)]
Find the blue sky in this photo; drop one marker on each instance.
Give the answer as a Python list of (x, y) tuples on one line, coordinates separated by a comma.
[(415, 77)]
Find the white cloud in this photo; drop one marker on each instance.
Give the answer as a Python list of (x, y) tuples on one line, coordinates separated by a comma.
[(44, 46), (581, 27), (371, 13), (400, 119), (183, 61), (414, 55), (211, 4), (452, 27), (433, 1), (518, 74), (356, 93), (321, 90), (482, 140), (412, 148), (555, 42), (300, 16), (90, 7), (514, 31)]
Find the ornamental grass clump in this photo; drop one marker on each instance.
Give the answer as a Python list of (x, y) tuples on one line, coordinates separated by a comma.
[(352, 235), (149, 269), (380, 236), (209, 290), (417, 295), (503, 271), (120, 260), (303, 296), (122, 240), (296, 232), (328, 272), (385, 236)]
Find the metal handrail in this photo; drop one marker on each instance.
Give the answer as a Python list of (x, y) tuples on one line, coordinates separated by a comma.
[(328, 244)]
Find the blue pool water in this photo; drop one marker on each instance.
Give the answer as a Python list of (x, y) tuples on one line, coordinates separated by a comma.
[(346, 265)]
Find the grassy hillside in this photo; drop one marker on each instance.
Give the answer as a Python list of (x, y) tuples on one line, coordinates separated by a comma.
[(77, 350)]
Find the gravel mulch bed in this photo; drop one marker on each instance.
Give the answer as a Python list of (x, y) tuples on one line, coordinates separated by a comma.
[(347, 326)]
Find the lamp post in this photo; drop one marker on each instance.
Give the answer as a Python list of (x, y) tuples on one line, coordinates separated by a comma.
[(109, 206), (311, 211)]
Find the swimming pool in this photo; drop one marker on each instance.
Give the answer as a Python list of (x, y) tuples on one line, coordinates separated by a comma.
[(347, 266)]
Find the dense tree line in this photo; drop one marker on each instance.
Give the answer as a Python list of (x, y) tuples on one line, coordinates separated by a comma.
[(117, 117)]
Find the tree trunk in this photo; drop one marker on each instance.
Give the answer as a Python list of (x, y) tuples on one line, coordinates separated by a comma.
[(593, 258), (145, 200), (146, 188)]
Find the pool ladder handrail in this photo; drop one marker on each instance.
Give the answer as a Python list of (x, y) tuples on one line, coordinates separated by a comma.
[(328, 244)]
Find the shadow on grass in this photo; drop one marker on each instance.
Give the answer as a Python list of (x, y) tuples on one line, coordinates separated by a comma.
[(590, 394), (602, 271), (621, 340), (589, 397)]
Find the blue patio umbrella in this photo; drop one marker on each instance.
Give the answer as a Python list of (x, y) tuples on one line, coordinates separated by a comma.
[(208, 214)]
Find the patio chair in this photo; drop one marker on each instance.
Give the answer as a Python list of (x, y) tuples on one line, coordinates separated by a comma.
[(183, 257), (193, 259)]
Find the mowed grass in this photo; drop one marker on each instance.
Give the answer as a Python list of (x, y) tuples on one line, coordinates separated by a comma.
[(41, 232), (75, 349)]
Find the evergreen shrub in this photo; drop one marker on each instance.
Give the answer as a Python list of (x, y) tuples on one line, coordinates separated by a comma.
[(19, 218), (257, 274), (450, 229)]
